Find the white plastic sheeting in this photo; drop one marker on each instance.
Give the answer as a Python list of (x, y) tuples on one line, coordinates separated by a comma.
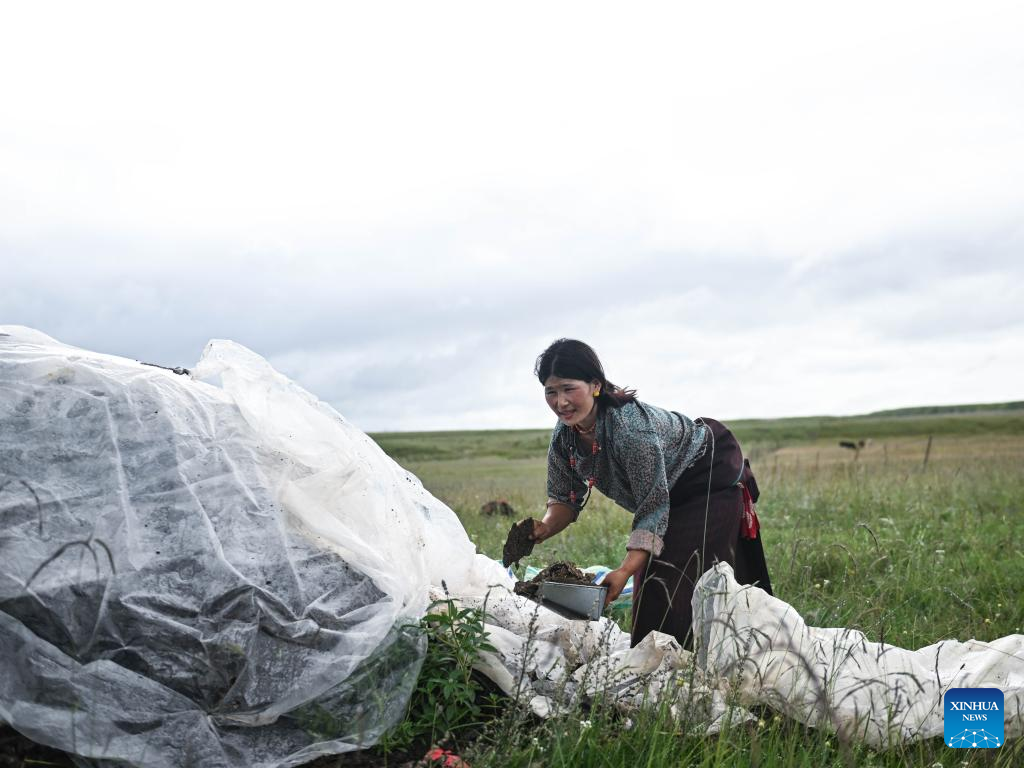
[(203, 575), (554, 664), (759, 648)]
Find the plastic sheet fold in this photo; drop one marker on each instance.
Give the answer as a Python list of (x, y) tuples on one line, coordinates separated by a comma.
[(759, 649)]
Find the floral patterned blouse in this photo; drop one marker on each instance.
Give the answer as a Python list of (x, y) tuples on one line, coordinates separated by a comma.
[(643, 451)]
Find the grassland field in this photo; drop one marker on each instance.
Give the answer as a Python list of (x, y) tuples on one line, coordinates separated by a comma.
[(916, 537)]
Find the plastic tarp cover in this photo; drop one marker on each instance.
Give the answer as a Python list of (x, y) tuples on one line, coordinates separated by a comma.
[(194, 574), (759, 648)]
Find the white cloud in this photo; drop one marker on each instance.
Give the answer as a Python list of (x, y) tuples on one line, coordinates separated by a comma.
[(750, 209)]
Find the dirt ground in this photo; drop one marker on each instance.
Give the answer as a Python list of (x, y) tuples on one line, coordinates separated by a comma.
[(16, 751)]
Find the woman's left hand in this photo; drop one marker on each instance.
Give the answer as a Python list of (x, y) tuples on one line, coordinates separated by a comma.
[(616, 582)]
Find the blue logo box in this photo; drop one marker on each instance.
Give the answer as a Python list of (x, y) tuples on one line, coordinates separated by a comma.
[(973, 717)]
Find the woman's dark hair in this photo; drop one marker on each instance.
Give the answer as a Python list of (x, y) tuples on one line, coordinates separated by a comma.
[(572, 359)]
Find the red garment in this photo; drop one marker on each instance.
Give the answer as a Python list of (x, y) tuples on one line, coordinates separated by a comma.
[(749, 525)]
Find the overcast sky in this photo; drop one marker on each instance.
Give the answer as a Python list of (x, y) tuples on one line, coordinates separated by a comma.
[(749, 210)]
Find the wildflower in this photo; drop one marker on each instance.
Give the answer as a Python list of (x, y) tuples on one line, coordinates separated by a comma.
[(443, 757), (940, 551), (536, 741), (826, 582), (988, 621), (817, 586), (760, 723), (585, 724)]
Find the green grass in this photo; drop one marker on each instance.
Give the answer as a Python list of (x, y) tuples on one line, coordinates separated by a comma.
[(908, 552)]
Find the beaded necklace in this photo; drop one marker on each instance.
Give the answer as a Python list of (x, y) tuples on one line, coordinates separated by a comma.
[(594, 450)]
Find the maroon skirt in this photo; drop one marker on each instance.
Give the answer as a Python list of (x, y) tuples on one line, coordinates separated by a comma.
[(706, 509)]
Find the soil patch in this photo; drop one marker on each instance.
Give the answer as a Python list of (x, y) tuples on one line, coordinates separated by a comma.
[(17, 751), (563, 572), (518, 544)]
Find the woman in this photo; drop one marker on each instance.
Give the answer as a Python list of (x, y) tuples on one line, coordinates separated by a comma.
[(685, 481)]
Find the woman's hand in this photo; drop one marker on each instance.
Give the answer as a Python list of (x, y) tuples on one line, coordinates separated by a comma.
[(616, 582), (541, 531)]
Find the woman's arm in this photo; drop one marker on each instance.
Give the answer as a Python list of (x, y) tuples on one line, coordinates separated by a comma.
[(616, 580), (557, 517)]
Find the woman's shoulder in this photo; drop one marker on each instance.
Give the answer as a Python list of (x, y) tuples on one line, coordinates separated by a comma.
[(558, 439), (634, 416)]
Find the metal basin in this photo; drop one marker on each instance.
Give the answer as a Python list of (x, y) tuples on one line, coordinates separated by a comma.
[(574, 601)]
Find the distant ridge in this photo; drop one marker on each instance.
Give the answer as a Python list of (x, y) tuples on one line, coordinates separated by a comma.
[(938, 421), (935, 410)]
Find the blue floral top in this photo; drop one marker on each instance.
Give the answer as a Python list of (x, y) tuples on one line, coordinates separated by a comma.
[(643, 451)]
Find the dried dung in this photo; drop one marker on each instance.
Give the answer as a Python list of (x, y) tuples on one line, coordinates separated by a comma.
[(498, 507), (518, 544), (563, 572)]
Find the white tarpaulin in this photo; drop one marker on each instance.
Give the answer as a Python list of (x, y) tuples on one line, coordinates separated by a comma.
[(759, 647), (554, 664)]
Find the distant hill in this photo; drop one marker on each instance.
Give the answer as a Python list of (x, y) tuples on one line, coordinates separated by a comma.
[(980, 419), (931, 410)]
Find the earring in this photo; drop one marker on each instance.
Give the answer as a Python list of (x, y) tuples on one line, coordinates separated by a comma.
[(597, 392)]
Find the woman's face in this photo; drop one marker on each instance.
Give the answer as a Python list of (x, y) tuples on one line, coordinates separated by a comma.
[(572, 400)]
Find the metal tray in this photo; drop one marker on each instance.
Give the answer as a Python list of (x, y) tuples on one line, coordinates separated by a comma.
[(574, 601)]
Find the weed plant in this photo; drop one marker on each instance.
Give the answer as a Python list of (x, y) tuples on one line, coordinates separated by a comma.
[(448, 699)]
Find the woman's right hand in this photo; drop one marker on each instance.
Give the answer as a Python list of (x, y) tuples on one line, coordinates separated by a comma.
[(541, 531)]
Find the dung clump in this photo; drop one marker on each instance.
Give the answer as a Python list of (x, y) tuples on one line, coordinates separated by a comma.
[(497, 507), (563, 572), (518, 544)]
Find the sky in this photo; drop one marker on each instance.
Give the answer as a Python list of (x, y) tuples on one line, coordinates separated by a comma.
[(748, 209)]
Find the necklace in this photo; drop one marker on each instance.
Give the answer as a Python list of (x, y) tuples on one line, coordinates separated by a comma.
[(594, 450)]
